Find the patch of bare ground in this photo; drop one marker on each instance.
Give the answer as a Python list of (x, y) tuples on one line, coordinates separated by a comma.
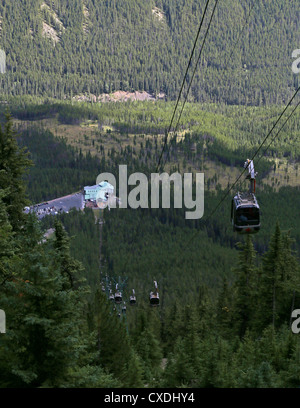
[(120, 96), (48, 30)]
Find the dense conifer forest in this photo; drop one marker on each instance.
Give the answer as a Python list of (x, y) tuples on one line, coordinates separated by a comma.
[(224, 319), (62, 48)]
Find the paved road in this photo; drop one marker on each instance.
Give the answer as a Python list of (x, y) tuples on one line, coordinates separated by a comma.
[(62, 204)]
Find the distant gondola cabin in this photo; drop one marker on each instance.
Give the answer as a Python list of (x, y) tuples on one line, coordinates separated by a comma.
[(118, 297), (154, 299), (132, 299)]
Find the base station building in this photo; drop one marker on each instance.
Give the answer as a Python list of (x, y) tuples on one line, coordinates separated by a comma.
[(100, 190)]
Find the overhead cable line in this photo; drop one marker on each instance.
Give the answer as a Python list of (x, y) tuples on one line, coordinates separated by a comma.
[(255, 154), (265, 139), (182, 85), (232, 50), (179, 95), (200, 53), (273, 138)]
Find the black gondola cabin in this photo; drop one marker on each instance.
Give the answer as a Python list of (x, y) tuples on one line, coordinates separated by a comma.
[(154, 299), (245, 213), (118, 297), (132, 300)]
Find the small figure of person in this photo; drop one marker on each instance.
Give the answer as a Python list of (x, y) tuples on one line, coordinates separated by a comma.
[(249, 164)]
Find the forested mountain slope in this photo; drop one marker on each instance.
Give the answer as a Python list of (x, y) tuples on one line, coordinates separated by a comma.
[(66, 47), (154, 244), (224, 318), (224, 315)]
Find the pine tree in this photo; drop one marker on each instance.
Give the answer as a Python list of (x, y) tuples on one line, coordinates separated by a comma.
[(7, 244), (244, 287), (273, 286), (179, 370), (290, 284), (290, 377), (111, 339), (148, 348), (172, 327), (13, 165), (132, 376), (206, 312), (70, 267), (225, 310), (46, 332), (192, 338)]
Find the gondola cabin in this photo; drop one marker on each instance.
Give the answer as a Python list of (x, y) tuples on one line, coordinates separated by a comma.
[(132, 299), (245, 213), (118, 297), (154, 299)]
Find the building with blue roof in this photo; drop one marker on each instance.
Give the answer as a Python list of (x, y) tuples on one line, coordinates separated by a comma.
[(98, 191)]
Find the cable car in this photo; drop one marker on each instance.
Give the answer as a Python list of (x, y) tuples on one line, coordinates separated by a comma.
[(154, 299), (124, 308), (111, 296), (245, 211), (154, 296), (132, 299), (118, 295)]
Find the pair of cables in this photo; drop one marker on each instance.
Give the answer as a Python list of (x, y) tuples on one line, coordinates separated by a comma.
[(165, 145)]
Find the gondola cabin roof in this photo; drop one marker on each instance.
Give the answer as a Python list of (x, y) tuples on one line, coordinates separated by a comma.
[(245, 200)]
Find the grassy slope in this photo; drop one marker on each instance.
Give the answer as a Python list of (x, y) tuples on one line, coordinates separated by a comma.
[(231, 126)]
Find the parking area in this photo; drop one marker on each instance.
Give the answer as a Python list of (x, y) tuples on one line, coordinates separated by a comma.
[(59, 205)]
